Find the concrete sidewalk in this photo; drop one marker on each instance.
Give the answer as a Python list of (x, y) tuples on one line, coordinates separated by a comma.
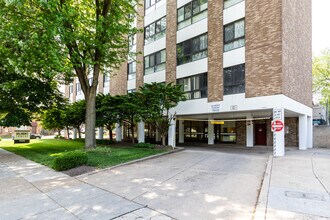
[(32, 191), (296, 186)]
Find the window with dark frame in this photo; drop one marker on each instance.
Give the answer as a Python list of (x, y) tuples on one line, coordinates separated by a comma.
[(78, 87), (155, 31), (234, 35), (106, 78), (155, 62), (131, 70), (131, 40), (234, 79), (192, 49), (229, 3), (149, 3), (192, 12), (195, 87)]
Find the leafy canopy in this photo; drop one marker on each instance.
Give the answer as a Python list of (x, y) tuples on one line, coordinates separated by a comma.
[(321, 75)]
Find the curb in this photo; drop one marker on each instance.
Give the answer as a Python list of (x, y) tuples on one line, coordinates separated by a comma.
[(261, 208), (176, 150)]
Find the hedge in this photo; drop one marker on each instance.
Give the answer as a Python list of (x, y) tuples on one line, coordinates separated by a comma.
[(70, 160)]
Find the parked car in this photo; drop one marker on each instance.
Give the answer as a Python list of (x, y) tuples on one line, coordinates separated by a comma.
[(35, 136)]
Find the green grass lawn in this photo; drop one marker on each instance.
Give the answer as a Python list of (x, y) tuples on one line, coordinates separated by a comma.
[(44, 152)]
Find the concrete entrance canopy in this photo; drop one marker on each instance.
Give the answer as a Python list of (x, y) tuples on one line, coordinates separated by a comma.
[(249, 111)]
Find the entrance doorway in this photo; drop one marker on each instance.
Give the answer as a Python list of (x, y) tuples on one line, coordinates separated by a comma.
[(260, 134)]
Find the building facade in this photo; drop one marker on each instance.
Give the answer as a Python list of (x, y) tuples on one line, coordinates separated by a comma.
[(237, 60)]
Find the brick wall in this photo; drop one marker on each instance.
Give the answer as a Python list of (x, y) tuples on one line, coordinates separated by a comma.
[(241, 133), (118, 81), (100, 88), (171, 28), (67, 91), (140, 46), (321, 136), (291, 132), (263, 48), (75, 81), (297, 50), (215, 50)]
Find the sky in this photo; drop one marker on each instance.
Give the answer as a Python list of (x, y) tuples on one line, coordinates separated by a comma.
[(321, 25)]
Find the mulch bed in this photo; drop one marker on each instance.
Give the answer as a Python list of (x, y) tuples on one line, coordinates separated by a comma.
[(79, 170)]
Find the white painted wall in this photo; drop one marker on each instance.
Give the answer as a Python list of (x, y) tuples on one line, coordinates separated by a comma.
[(234, 57), (155, 12), (106, 90), (155, 77), (192, 68), (155, 46), (191, 31), (202, 106), (131, 84), (234, 13), (181, 3)]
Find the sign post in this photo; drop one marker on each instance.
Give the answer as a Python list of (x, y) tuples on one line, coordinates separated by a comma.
[(277, 128)]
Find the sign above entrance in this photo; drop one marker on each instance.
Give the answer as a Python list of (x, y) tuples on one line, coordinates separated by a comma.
[(277, 125), (217, 122)]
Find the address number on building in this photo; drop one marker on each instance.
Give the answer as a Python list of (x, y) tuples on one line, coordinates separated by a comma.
[(277, 126)]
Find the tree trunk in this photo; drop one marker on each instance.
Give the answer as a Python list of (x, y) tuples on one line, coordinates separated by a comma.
[(132, 130), (164, 140), (59, 132), (111, 133), (68, 133), (79, 132), (90, 141)]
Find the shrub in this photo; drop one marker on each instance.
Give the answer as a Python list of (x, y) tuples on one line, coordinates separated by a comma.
[(98, 141), (144, 145), (0, 138), (70, 160), (101, 150), (105, 142), (58, 137)]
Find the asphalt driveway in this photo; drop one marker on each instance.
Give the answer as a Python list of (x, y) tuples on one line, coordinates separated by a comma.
[(192, 184)]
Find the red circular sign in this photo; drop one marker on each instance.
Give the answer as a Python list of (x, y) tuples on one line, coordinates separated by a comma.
[(277, 125)]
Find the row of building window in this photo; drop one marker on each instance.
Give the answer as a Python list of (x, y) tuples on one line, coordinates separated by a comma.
[(193, 49), (195, 87), (227, 3), (190, 13)]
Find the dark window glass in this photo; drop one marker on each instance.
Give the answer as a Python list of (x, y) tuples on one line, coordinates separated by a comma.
[(154, 62), (229, 3), (149, 3), (234, 79), (192, 12), (131, 70), (195, 87), (234, 35), (192, 49), (155, 30)]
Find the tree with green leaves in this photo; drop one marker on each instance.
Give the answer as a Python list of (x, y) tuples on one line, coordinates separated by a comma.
[(130, 110), (321, 75), (106, 112), (156, 100), (54, 118), (74, 115), (68, 38), (21, 95)]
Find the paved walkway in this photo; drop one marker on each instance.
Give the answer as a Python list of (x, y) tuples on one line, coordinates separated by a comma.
[(32, 191), (193, 184), (297, 186)]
